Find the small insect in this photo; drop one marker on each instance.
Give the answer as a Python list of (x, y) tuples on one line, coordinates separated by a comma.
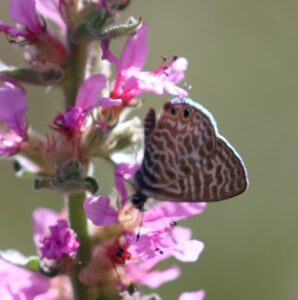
[(186, 159)]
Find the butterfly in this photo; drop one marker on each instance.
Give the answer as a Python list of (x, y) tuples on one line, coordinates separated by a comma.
[(186, 159)]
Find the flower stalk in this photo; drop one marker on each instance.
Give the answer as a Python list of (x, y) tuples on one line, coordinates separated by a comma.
[(78, 222), (75, 71)]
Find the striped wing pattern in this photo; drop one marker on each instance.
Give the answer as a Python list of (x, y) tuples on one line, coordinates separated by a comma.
[(185, 159)]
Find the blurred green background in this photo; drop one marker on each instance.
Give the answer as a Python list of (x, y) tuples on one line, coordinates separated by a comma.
[(243, 67)]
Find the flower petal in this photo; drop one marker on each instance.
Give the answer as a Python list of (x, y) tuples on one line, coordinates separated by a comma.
[(170, 88), (24, 12), (169, 212), (11, 30), (188, 251), (89, 91), (18, 283), (13, 104), (99, 211), (43, 218), (135, 52), (155, 279), (123, 172), (108, 102), (199, 295), (177, 69), (62, 241), (50, 10)]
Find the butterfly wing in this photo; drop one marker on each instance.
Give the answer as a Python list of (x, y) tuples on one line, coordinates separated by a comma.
[(222, 176), (186, 159), (174, 149)]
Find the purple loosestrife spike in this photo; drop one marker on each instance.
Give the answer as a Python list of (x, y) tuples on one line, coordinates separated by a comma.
[(131, 81)]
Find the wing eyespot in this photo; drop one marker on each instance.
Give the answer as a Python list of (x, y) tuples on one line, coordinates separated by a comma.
[(173, 112), (186, 113)]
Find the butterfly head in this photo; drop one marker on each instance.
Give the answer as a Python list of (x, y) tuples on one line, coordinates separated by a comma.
[(178, 111)]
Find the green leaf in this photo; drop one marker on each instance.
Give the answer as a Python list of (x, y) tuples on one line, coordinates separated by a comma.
[(93, 21), (119, 30), (32, 76), (32, 263)]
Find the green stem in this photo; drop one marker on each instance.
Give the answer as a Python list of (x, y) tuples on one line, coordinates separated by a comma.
[(78, 222), (75, 72)]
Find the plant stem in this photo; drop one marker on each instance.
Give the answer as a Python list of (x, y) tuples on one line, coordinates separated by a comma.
[(78, 223), (75, 72)]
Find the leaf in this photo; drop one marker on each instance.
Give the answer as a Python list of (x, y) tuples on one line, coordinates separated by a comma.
[(32, 76), (121, 29)]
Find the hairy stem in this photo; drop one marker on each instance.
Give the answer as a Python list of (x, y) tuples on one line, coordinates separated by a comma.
[(76, 68), (78, 222)]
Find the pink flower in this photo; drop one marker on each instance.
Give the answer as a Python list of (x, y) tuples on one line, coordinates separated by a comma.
[(124, 172), (24, 12), (52, 235), (100, 212), (14, 105), (159, 238), (131, 81), (50, 9), (31, 29), (43, 218), (61, 242), (199, 295), (73, 120), (19, 283)]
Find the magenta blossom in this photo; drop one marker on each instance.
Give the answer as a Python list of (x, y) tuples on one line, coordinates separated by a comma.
[(100, 212), (131, 81), (19, 283), (52, 235), (14, 105), (73, 120), (32, 29), (50, 9), (61, 242), (24, 12), (159, 239)]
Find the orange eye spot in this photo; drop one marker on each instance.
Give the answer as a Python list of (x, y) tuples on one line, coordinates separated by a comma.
[(186, 113), (173, 112)]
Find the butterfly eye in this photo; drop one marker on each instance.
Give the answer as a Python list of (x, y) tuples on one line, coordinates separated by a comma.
[(186, 114)]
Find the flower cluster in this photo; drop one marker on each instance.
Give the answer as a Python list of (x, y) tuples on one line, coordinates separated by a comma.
[(99, 246)]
